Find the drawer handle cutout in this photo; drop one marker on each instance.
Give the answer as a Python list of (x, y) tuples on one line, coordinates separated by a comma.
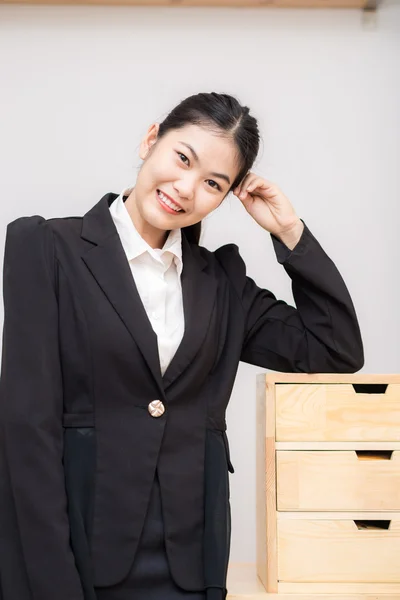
[(368, 524), (370, 388), (374, 454)]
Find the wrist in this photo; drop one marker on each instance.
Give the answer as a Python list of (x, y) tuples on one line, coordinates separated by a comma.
[(290, 237)]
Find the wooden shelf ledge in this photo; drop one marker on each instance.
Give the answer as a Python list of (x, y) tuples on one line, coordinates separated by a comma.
[(367, 5), (243, 584)]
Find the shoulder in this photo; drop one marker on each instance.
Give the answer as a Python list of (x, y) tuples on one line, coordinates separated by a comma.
[(37, 231), (227, 264), (25, 231), (228, 256), (225, 257), (36, 225), (29, 245)]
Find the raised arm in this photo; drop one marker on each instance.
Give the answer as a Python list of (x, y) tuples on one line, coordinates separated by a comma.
[(321, 334)]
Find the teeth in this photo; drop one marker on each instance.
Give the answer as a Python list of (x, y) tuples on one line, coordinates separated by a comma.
[(168, 202)]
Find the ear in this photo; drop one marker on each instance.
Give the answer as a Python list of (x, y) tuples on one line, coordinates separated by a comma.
[(148, 140)]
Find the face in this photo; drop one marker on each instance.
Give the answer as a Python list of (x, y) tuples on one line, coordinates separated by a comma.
[(185, 175)]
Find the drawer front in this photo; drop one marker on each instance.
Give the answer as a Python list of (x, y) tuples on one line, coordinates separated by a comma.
[(338, 551), (337, 412), (337, 480)]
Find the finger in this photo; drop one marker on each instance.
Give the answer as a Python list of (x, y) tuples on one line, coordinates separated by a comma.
[(244, 183), (247, 201), (255, 183), (261, 183), (246, 186)]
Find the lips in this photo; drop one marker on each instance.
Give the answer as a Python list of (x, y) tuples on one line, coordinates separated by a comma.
[(168, 202)]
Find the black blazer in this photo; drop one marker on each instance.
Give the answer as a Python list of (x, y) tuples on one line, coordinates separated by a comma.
[(80, 366)]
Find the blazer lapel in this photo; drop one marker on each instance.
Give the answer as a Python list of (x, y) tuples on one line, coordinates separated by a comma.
[(109, 266), (199, 293)]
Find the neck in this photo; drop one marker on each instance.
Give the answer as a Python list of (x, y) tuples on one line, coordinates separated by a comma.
[(156, 238)]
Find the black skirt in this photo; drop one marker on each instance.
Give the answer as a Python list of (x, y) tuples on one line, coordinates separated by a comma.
[(150, 577)]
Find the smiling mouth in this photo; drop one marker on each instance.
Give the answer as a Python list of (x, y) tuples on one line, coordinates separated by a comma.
[(167, 202)]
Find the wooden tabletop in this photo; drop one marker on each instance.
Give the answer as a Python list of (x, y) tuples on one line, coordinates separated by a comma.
[(243, 584)]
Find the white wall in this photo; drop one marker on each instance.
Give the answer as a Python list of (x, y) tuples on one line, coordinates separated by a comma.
[(80, 85)]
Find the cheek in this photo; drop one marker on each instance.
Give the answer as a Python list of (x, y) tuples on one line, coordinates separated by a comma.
[(206, 204), (160, 171)]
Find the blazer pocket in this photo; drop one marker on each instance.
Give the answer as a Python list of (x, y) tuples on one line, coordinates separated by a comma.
[(217, 510), (79, 461), (228, 454)]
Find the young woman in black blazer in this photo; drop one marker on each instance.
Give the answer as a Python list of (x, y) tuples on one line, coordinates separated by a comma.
[(113, 471)]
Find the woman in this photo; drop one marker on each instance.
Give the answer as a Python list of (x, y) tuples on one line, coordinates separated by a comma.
[(122, 338)]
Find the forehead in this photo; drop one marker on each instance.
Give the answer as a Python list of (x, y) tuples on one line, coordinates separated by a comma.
[(214, 151)]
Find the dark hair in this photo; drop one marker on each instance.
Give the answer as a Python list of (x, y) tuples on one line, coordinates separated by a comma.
[(225, 116)]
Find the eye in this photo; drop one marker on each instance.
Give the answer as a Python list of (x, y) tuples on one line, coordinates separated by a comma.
[(217, 186), (180, 154)]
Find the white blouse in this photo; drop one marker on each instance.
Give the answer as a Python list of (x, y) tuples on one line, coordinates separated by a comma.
[(157, 275)]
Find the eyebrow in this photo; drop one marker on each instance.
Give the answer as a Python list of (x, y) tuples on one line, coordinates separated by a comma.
[(220, 175)]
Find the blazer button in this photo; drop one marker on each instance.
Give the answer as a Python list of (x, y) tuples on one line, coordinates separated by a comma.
[(156, 408)]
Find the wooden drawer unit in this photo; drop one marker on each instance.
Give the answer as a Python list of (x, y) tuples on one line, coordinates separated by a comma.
[(328, 485)]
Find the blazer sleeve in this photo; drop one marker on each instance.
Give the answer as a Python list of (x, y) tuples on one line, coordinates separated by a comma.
[(320, 335), (36, 560)]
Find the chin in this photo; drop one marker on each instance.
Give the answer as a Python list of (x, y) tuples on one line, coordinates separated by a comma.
[(157, 220)]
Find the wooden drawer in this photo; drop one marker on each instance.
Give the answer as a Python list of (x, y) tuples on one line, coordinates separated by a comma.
[(337, 412), (338, 480), (338, 551)]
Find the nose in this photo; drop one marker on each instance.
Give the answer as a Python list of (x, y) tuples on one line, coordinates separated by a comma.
[(185, 187)]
